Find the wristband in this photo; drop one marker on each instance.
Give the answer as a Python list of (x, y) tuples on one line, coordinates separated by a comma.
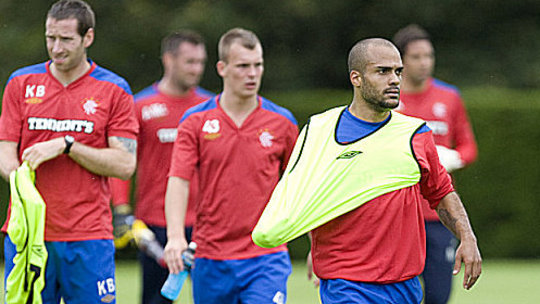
[(69, 140)]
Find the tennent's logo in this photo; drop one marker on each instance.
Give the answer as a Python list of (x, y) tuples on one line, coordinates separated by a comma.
[(348, 154)]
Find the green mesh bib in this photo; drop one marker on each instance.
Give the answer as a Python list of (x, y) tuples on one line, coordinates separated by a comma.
[(325, 179)]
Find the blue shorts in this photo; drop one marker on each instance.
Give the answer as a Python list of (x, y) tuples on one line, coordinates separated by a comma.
[(79, 272), (340, 291), (262, 279)]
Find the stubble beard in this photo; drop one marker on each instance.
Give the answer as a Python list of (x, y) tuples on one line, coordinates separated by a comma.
[(377, 100)]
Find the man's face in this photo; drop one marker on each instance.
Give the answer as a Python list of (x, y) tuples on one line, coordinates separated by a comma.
[(242, 73), (187, 66), (380, 86), (66, 48), (418, 61)]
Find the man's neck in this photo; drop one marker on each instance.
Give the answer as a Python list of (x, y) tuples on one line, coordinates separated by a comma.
[(367, 112), (238, 108), (168, 87), (69, 76)]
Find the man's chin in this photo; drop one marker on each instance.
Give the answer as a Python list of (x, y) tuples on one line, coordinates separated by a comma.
[(392, 104)]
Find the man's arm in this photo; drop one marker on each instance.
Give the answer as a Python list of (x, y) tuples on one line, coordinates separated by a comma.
[(176, 200), (118, 160), (8, 158), (453, 215)]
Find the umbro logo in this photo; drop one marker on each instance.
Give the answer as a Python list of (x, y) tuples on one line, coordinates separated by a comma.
[(348, 154)]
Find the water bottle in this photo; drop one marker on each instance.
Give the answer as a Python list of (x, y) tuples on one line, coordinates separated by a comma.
[(173, 285)]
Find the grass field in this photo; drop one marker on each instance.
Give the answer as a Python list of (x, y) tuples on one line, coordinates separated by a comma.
[(502, 282)]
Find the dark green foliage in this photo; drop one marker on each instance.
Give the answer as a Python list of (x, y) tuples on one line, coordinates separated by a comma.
[(305, 41)]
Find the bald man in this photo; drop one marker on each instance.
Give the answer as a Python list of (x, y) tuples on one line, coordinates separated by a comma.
[(387, 163)]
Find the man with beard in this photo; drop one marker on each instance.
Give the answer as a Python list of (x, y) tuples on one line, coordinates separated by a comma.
[(72, 121), (362, 172)]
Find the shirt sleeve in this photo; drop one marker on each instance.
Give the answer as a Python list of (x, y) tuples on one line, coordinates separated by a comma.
[(11, 118), (465, 143), (123, 122), (120, 190), (185, 155), (290, 141), (435, 182)]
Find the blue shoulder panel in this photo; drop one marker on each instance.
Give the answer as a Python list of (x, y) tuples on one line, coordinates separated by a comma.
[(442, 84), (423, 129), (105, 75), (204, 93), (146, 92), (270, 106), (205, 106), (39, 68)]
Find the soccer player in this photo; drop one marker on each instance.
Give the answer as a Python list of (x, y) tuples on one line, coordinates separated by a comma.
[(440, 104), (240, 142), (73, 122), (368, 170), (159, 108)]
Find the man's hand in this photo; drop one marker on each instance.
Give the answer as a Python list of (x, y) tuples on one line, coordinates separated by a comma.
[(122, 221), (310, 275), (468, 254), (43, 151), (173, 253)]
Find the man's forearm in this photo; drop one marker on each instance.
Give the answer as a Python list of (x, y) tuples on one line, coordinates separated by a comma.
[(9, 160), (117, 161), (453, 215), (176, 199)]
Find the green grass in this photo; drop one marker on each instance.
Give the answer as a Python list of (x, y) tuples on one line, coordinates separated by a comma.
[(502, 282)]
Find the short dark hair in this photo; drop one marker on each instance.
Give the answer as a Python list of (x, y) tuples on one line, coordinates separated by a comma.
[(170, 43), (358, 55), (78, 9), (246, 38), (409, 34)]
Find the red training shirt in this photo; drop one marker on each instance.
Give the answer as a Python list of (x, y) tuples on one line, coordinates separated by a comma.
[(442, 107), (238, 170), (383, 241), (158, 115), (36, 107)]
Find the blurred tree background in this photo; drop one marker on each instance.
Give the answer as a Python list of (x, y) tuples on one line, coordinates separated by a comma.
[(489, 48), (306, 42)]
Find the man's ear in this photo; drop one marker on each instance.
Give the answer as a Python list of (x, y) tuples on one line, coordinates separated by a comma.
[(166, 59), (88, 38), (220, 67), (355, 78)]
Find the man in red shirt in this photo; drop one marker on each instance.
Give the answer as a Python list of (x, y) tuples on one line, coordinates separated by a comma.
[(440, 104), (73, 122), (159, 108), (240, 144), (374, 253)]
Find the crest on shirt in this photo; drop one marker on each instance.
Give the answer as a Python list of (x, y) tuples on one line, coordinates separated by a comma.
[(266, 138), (90, 106), (211, 128), (439, 109)]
